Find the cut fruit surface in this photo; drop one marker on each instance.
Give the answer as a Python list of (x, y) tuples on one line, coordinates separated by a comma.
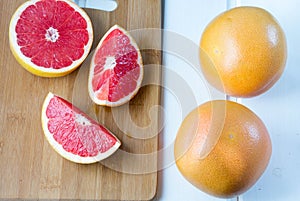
[(50, 38), (73, 134), (116, 70)]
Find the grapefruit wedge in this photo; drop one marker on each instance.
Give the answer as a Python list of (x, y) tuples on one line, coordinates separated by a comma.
[(50, 38), (116, 70), (73, 134)]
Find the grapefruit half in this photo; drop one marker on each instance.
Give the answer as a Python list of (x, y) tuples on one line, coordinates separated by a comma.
[(50, 38), (73, 134), (116, 70)]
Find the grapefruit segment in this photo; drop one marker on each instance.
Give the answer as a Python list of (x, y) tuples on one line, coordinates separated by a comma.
[(116, 70), (50, 38), (73, 134)]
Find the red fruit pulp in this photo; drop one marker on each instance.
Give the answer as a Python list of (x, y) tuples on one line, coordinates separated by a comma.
[(75, 131), (52, 34), (116, 67)]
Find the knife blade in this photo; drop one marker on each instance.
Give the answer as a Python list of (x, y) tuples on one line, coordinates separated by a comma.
[(105, 5)]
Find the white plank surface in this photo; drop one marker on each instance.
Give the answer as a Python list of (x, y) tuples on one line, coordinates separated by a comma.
[(279, 108)]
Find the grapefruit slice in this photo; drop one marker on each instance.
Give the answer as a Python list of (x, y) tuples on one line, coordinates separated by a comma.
[(50, 38), (73, 134), (116, 70)]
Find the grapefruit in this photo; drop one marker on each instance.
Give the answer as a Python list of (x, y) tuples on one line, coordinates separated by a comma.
[(73, 134), (50, 38), (116, 69), (243, 51), (222, 148)]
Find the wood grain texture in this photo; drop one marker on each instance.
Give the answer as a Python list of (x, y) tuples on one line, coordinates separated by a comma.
[(31, 169)]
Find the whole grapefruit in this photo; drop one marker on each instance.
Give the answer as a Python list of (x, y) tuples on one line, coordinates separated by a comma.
[(243, 51), (222, 148)]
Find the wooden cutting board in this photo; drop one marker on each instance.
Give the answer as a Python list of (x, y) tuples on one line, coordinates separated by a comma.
[(31, 169)]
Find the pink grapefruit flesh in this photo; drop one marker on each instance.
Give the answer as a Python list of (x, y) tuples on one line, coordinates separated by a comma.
[(116, 70), (73, 134), (50, 38)]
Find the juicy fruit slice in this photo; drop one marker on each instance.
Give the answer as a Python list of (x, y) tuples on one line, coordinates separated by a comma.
[(50, 38), (73, 134), (116, 70), (222, 148)]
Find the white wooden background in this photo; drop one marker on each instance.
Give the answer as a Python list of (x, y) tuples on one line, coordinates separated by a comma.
[(279, 108)]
